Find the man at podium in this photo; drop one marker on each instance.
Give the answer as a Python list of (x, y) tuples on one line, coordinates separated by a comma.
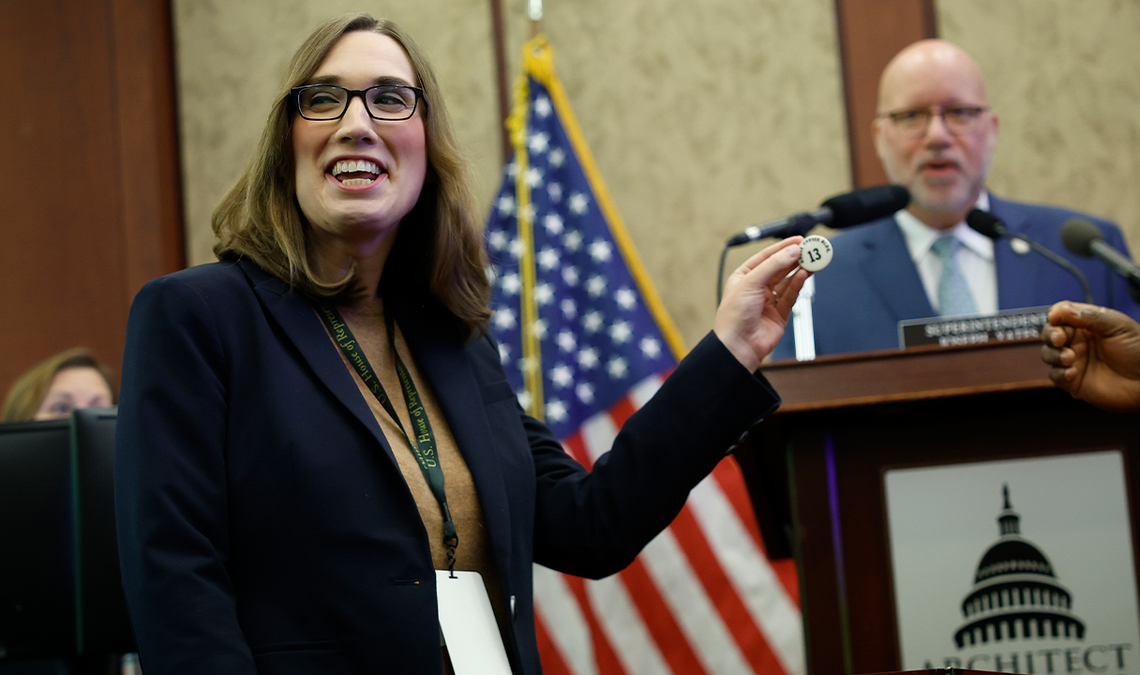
[(935, 133)]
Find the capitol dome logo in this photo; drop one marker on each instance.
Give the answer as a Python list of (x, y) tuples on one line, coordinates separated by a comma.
[(1053, 593), (1016, 593)]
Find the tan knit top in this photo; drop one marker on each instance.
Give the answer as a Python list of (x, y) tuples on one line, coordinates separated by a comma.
[(473, 552)]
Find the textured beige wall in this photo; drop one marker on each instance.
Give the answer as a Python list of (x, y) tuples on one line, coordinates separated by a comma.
[(231, 57), (1064, 79), (769, 141)]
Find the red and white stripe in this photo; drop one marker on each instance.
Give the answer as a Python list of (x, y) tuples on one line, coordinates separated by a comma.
[(701, 598)]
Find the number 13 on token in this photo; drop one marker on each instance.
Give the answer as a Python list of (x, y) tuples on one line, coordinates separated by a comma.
[(815, 253)]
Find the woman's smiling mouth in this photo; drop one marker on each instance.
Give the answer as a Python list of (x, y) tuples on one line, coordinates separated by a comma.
[(356, 172)]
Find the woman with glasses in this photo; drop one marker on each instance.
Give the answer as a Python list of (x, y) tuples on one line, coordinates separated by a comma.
[(313, 426)]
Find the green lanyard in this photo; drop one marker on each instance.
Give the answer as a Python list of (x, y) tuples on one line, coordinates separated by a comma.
[(423, 442)]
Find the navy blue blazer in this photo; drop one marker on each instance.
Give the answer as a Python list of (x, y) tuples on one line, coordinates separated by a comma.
[(264, 525), (872, 282)]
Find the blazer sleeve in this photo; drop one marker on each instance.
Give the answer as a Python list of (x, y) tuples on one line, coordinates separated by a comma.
[(593, 523), (170, 485)]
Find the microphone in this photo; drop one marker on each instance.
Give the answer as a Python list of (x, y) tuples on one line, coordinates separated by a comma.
[(1085, 239), (845, 210), (991, 226)]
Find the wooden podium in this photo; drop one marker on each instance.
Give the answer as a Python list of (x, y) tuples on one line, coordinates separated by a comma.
[(815, 469)]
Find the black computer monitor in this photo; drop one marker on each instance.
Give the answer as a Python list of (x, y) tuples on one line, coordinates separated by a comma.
[(60, 588), (102, 623), (37, 558)]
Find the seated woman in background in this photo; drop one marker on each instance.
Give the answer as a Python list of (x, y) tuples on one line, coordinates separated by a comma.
[(57, 385)]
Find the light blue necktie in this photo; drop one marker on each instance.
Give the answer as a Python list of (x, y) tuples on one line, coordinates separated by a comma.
[(954, 296)]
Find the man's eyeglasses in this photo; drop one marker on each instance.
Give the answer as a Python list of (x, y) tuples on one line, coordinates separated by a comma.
[(958, 120), (330, 101)]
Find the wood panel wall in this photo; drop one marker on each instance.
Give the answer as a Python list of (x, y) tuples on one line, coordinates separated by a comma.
[(870, 33), (89, 182)]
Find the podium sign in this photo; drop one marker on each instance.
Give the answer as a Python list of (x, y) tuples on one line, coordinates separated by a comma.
[(1017, 566), (816, 472), (1007, 325)]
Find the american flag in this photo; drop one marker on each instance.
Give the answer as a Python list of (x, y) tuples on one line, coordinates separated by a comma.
[(585, 342)]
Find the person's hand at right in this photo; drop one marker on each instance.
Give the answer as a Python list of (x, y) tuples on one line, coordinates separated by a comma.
[(1094, 354)]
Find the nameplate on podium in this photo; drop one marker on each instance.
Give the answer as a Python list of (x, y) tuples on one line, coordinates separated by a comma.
[(957, 331)]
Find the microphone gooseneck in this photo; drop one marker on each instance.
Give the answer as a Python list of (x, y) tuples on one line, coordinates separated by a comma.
[(991, 226), (860, 206), (1078, 235), (845, 210), (986, 223), (1086, 240)]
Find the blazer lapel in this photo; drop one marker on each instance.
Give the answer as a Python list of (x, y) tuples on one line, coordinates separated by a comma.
[(1016, 273), (300, 323), (891, 275), (447, 366)]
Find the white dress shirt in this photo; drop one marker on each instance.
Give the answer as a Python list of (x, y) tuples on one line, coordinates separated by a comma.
[(975, 258)]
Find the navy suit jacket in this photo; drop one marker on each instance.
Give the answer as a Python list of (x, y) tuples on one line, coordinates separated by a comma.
[(872, 282), (264, 525)]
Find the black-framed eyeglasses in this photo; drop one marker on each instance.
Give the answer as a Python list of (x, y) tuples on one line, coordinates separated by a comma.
[(320, 102), (958, 119)]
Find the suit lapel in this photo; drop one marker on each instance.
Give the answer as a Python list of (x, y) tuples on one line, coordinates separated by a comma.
[(891, 275), (1016, 273), (447, 366), (300, 323)]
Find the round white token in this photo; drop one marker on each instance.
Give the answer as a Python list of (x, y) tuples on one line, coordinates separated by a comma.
[(815, 253)]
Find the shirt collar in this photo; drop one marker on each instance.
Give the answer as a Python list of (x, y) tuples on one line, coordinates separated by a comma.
[(920, 236)]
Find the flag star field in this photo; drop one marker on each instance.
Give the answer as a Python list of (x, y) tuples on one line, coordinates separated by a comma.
[(597, 338)]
